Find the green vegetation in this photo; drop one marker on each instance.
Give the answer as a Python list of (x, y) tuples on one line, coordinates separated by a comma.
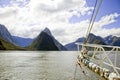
[(5, 45)]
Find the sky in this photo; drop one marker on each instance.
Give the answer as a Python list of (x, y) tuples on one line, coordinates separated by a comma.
[(68, 20)]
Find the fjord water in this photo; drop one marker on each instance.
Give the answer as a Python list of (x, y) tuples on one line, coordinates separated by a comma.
[(35, 65)]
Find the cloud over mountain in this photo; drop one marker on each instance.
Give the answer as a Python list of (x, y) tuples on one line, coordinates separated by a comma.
[(35, 15)]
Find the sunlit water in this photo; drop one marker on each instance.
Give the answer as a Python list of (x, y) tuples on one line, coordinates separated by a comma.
[(28, 65)]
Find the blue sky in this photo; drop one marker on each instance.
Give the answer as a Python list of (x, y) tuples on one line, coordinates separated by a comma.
[(108, 7), (67, 19), (20, 3)]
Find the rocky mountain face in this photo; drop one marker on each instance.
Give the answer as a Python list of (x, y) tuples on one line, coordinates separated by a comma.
[(93, 39), (57, 43), (112, 40), (116, 41), (46, 42), (4, 33)]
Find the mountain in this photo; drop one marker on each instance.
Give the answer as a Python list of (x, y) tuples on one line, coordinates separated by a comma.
[(23, 42), (6, 40), (112, 40), (46, 42), (4, 34), (5, 45), (109, 39), (57, 43), (72, 46), (93, 39), (1, 45), (116, 41)]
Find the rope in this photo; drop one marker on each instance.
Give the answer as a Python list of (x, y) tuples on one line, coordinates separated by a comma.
[(92, 22), (91, 19), (75, 71)]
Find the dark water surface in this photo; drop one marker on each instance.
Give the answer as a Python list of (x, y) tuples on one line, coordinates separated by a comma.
[(28, 65)]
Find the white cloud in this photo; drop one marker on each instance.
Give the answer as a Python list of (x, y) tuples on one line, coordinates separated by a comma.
[(106, 20), (31, 19), (7, 12)]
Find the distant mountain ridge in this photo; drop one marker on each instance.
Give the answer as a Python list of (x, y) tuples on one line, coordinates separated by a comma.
[(72, 46), (23, 42), (93, 39)]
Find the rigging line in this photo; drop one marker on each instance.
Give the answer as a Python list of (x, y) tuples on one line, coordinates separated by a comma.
[(75, 71), (93, 20)]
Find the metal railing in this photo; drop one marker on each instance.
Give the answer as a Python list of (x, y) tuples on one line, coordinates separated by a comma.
[(99, 51)]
